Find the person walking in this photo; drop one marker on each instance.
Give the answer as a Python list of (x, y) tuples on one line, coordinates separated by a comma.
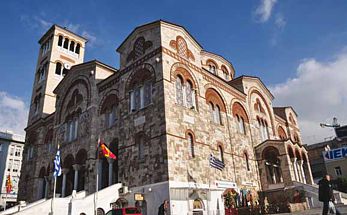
[(326, 195), (164, 208)]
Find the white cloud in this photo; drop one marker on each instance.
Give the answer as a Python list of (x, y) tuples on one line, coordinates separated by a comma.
[(35, 23), (280, 22), (317, 93), (91, 38), (13, 113), (263, 11)]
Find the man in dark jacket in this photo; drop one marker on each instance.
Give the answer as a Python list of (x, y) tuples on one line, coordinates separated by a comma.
[(326, 195), (163, 209)]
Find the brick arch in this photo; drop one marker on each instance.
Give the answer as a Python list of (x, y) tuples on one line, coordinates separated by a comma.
[(81, 156), (184, 71), (83, 81), (213, 62), (42, 172), (281, 133), (298, 154), (139, 75), (68, 161), (189, 131), (269, 150), (49, 136), (108, 101), (290, 151), (238, 109), (214, 97), (255, 91)]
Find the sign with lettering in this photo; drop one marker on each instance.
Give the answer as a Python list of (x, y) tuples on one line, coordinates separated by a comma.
[(139, 197), (225, 184), (335, 154)]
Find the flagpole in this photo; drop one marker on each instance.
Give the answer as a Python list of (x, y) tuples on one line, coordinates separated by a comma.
[(54, 190), (54, 187), (5, 200), (97, 177)]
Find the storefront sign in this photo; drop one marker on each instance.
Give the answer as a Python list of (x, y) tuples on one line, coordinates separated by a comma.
[(225, 184), (335, 154), (247, 183), (139, 197)]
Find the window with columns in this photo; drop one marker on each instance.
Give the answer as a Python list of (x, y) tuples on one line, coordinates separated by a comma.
[(215, 105), (110, 110), (69, 45), (272, 164), (185, 93), (263, 129), (46, 46)]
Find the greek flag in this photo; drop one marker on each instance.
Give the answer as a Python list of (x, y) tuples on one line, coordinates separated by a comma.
[(216, 163), (57, 166)]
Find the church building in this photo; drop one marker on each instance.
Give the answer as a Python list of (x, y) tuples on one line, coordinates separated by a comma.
[(183, 126)]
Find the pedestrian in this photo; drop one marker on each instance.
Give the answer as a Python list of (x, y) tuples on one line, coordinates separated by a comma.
[(326, 195), (164, 208)]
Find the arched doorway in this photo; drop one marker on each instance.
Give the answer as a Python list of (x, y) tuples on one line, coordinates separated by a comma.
[(81, 158), (198, 207), (272, 165), (69, 175), (42, 183)]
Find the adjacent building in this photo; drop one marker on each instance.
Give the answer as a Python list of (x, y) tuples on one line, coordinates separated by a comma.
[(323, 163), (170, 110), (11, 151)]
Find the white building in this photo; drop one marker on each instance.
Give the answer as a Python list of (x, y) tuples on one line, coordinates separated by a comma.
[(11, 150)]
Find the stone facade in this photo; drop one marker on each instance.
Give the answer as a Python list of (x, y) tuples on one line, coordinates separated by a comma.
[(169, 107)]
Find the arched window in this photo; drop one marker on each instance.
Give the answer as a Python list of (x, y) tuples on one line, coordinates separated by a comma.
[(225, 72), (66, 43), (272, 165), (77, 50), (179, 90), (281, 133), (211, 110), (191, 145), (217, 115), (241, 124), (247, 161), (58, 67), (189, 95), (60, 41), (111, 116), (72, 46), (140, 89), (212, 68), (220, 151), (37, 102)]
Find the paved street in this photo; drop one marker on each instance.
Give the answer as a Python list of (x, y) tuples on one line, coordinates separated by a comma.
[(318, 211)]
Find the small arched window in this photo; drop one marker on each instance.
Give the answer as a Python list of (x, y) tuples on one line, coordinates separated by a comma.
[(66, 43), (139, 47), (60, 41), (220, 151), (72, 46), (217, 115), (179, 90), (58, 68), (182, 48), (77, 50), (212, 68), (189, 95), (247, 161), (191, 146)]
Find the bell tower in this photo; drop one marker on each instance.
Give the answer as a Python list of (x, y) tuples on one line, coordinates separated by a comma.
[(59, 50)]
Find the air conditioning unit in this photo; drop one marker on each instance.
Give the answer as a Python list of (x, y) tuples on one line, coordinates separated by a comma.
[(123, 190)]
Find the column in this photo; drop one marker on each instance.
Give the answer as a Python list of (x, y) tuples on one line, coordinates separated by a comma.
[(76, 168), (309, 173), (100, 173), (46, 188), (301, 162), (110, 171), (63, 188), (299, 170), (293, 160)]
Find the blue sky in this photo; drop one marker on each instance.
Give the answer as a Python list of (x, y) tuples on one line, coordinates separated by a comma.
[(278, 41)]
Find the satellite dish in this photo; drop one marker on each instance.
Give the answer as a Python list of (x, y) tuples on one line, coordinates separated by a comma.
[(67, 66)]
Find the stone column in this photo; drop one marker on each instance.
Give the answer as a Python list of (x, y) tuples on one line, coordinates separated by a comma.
[(76, 168), (100, 173), (293, 160), (110, 171), (46, 188), (309, 173), (299, 170), (301, 162), (63, 188)]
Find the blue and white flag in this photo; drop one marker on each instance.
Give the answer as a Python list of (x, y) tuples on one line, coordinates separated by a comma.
[(57, 166), (216, 163)]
